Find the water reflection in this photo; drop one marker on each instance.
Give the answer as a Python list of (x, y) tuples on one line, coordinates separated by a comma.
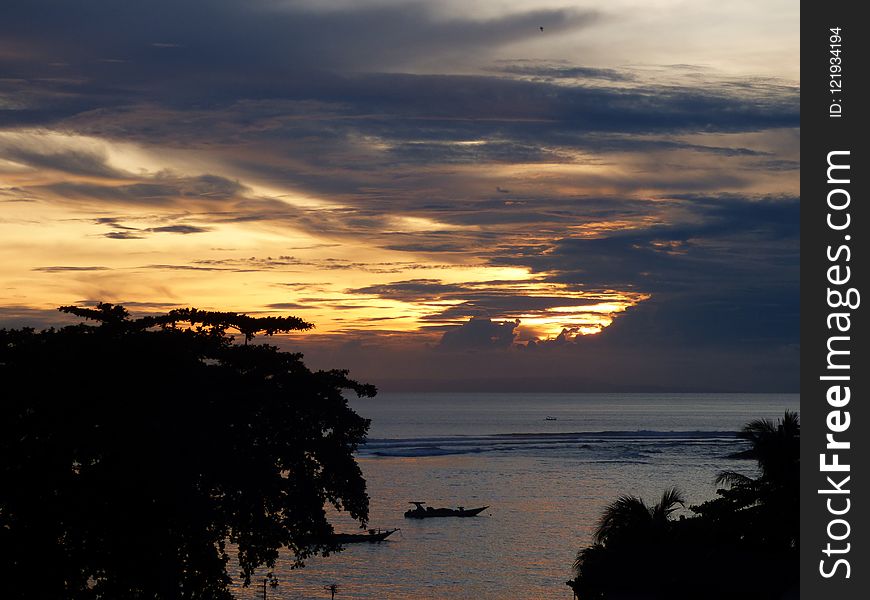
[(545, 501)]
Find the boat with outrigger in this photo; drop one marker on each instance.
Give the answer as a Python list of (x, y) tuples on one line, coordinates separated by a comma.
[(371, 536), (427, 512)]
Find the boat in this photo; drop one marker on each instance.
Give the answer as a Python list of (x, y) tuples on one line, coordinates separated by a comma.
[(421, 512), (551, 419), (371, 536)]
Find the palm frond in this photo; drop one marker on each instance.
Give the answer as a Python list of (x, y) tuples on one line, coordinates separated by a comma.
[(588, 555), (757, 430), (672, 498), (734, 479), (791, 424), (623, 513)]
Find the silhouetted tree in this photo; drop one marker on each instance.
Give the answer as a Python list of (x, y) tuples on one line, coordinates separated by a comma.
[(136, 453), (764, 509), (630, 535), (748, 535), (629, 521)]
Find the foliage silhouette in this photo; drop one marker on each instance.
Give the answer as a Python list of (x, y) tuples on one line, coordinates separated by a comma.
[(212, 321), (766, 509), (135, 454), (748, 534)]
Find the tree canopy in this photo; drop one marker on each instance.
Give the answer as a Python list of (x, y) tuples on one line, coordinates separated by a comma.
[(137, 454)]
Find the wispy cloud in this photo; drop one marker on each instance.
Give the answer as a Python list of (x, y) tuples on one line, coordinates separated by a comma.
[(63, 269)]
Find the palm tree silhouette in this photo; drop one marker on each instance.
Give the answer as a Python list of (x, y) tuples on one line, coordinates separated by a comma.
[(639, 551), (629, 519), (776, 448), (629, 538), (769, 503)]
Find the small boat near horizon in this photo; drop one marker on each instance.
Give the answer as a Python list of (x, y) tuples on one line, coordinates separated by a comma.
[(421, 512)]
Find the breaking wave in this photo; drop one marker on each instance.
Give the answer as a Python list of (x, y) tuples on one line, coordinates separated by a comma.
[(604, 445)]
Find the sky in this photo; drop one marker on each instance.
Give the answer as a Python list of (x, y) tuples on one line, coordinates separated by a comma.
[(460, 195)]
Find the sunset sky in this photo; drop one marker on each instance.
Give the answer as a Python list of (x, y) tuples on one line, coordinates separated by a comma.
[(454, 196)]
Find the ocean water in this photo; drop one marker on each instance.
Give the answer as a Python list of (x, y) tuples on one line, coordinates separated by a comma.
[(545, 464)]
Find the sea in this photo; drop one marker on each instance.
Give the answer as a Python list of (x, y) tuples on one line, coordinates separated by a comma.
[(545, 465)]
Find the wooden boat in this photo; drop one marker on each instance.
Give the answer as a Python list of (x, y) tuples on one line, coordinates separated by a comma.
[(421, 512), (372, 536)]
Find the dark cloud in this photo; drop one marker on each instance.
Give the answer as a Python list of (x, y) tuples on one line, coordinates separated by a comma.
[(480, 334), (63, 269), (414, 244), (285, 263), (247, 64), (622, 143), (413, 290), (724, 311), (752, 318), (123, 235), (14, 194), (493, 299), (114, 222), (720, 241), (70, 162), (549, 70), (126, 232), (497, 151), (315, 101), (305, 93), (208, 37), (286, 305), (182, 229), (165, 267), (728, 276), (162, 189), (591, 364)]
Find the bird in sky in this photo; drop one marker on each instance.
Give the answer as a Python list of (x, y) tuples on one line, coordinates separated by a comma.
[(541, 28)]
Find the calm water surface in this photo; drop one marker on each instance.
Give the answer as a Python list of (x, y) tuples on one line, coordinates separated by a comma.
[(546, 482)]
